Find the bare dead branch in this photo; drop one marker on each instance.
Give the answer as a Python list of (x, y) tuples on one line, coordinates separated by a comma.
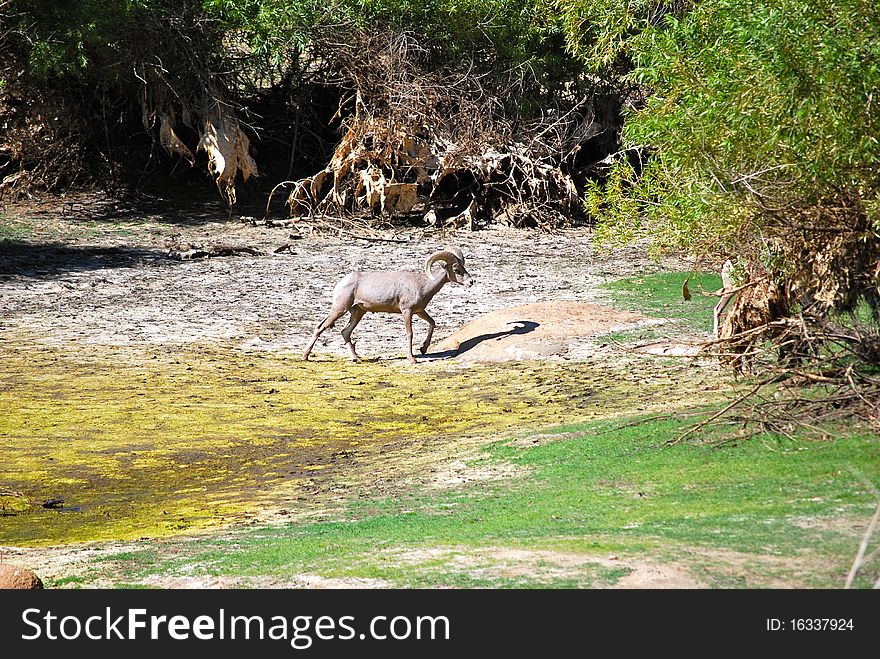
[(863, 547)]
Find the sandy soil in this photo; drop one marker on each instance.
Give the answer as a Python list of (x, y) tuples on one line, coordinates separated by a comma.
[(534, 331)]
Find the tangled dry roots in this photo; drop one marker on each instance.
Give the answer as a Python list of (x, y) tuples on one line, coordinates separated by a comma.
[(437, 146), (108, 123), (809, 325), (383, 171), (822, 260)]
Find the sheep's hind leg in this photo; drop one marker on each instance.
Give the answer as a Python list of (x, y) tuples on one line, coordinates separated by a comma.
[(424, 316), (331, 318), (356, 314)]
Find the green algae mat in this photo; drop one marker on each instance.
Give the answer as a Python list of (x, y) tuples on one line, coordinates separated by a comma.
[(104, 443)]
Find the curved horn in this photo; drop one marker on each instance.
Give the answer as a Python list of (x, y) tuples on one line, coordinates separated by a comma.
[(447, 255)]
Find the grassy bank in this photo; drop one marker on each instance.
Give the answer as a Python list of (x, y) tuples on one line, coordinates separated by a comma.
[(584, 505), (659, 295)]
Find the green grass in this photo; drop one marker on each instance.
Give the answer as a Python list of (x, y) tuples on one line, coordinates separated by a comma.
[(660, 296), (67, 582), (862, 317), (597, 490), (13, 230)]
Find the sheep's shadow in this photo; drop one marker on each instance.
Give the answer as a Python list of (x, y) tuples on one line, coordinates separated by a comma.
[(522, 327)]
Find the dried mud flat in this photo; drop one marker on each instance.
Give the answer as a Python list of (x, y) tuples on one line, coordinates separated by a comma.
[(94, 271)]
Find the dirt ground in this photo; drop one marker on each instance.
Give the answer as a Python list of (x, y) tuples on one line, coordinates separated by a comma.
[(535, 330), (91, 271), (96, 271)]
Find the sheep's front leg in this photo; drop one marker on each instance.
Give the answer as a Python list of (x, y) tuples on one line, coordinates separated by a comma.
[(424, 316), (407, 320)]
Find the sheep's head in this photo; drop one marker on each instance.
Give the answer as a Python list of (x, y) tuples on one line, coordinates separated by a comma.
[(453, 261)]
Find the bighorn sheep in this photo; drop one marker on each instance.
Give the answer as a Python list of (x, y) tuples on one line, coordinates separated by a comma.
[(405, 292)]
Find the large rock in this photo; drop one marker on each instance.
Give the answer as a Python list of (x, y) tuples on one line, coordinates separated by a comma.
[(18, 578)]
